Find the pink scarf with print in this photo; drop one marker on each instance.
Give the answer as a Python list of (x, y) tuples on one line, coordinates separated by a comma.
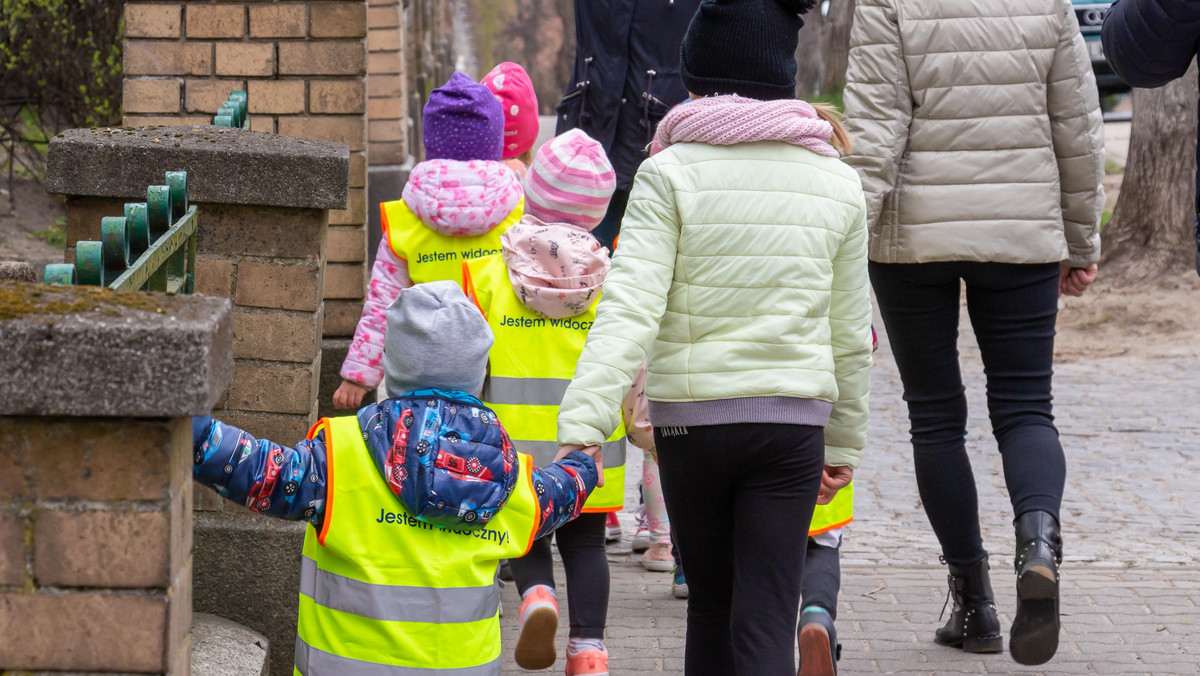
[(728, 120), (556, 269)]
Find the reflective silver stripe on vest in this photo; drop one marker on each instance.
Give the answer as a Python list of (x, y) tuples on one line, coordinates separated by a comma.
[(527, 391), (312, 661), (543, 452), (397, 603)]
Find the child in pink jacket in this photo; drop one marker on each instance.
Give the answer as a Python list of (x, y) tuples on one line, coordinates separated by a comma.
[(455, 206)]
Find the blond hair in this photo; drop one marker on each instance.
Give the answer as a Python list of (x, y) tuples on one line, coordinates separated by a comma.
[(841, 138)]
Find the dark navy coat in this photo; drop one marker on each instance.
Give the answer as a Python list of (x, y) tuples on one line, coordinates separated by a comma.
[(611, 94), (1149, 43)]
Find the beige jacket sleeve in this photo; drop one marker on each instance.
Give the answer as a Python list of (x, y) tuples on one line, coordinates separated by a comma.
[(1077, 129), (850, 337), (878, 100), (628, 315)]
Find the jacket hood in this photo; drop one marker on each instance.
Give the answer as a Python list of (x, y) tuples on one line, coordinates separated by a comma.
[(556, 269), (443, 454), (462, 199)]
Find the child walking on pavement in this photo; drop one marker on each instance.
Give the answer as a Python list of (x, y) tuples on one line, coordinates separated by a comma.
[(539, 297), (456, 205), (742, 274), (410, 503)]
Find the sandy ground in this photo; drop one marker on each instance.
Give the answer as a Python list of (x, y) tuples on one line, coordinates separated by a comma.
[(34, 211)]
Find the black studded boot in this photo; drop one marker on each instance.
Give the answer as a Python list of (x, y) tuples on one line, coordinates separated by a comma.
[(973, 624), (1034, 635)]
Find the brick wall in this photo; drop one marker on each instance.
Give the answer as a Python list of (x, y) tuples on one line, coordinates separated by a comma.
[(95, 544), (387, 103), (303, 65), (95, 475)]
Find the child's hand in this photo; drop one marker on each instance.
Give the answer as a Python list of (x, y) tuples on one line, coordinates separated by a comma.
[(348, 395), (591, 451), (833, 479)]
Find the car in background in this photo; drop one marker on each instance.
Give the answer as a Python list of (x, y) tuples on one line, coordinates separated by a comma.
[(1090, 14)]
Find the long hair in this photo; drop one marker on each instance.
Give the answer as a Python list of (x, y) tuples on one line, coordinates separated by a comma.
[(841, 138)]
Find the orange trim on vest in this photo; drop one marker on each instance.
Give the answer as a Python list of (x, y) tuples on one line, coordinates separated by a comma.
[(601, 510), (829, 528), (383, 221), (324, 423), (527, 471), (468, 287)]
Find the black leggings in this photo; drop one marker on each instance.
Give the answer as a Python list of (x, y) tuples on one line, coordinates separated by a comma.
[(1013, 309), (581, 545), (741, 498)]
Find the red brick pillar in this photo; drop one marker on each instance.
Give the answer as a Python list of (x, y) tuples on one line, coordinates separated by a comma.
[(97, 390)]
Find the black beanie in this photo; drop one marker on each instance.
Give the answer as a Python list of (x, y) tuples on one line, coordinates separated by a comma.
[(743, 47)]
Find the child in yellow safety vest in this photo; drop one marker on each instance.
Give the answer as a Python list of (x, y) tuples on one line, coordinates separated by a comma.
[(455, 206), (410, 504), (539, 296)]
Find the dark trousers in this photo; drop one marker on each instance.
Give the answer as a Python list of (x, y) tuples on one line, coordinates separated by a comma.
[(822, 578), (1013, 309), (610, 226), (581, 545), (741, 498)]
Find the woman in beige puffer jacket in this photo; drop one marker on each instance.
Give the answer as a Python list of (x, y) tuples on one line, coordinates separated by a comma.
[(980, 147)]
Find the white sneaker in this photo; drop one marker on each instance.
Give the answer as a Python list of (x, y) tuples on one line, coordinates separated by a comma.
[(641, 537)]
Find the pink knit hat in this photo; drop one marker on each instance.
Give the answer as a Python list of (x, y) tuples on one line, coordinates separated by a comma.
[(570, 181), (513, 89)]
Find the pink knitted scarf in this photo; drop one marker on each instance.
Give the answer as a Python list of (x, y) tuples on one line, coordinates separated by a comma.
[(728, 120)]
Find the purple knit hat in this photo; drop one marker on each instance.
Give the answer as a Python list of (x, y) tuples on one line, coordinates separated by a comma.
[(463, 121)]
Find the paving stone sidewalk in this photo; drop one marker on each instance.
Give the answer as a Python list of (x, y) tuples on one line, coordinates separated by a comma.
[(1131, 600)]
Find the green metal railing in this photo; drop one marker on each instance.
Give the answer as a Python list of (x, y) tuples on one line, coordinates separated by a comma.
[(233, 112), (151, 248)]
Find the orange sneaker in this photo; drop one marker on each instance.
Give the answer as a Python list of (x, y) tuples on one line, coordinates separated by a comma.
[(537, 619), (588, 663)]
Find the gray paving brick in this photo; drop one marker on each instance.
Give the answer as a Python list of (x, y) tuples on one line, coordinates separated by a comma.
[(1131, 586)]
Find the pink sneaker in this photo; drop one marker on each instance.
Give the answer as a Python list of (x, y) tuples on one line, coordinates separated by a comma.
[(587, 663), (537, 622), (658, 558)]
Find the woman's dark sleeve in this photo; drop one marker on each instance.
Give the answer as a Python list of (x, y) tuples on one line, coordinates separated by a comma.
[(1149, 43)]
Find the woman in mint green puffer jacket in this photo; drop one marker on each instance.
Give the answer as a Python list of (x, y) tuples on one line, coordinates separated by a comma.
[(742, 275)]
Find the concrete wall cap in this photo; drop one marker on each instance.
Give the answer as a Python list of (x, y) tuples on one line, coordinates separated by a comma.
[(222, 647), (87, 351), (224, 165)]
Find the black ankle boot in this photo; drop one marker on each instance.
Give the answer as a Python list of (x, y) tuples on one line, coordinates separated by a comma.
[(973, 625), (1034, 635)]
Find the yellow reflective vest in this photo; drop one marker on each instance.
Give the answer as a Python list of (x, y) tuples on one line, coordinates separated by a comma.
[(383, 593), (531, 363), (432, 256), (838, 513)]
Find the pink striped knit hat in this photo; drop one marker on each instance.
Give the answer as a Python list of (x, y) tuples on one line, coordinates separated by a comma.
[(570, 181)]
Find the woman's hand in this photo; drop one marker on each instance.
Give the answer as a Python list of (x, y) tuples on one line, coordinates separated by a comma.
[(348, 395), (592, 451), (1074, 281), (833, 479)]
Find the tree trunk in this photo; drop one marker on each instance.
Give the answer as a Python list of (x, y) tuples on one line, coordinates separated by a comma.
[(835, 45), (808, 58), (1150, 233)]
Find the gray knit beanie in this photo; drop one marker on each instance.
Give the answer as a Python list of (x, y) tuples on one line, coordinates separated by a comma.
[(436, 339)]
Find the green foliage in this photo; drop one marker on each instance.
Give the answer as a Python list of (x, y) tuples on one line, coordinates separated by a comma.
[(60, 66), (55, 235), (832, 97), (1105, 217), (1112, 168)]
